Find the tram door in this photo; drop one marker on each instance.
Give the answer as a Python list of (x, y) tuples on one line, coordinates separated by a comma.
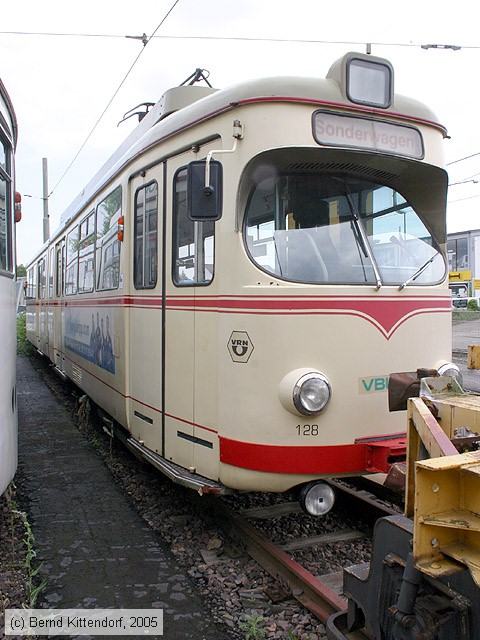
[(145, 311), (50, 304), (58, 316), (190, 355), (179, 320)]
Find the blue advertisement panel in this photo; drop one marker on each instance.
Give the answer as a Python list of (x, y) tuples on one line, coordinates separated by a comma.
[(89, 335)]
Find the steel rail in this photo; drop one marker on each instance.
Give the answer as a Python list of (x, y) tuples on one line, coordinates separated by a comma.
[(359, 500), (306, 588)]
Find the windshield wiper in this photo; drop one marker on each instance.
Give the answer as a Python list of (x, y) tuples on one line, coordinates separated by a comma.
[(361, 238), (418, 272), (358, 234)]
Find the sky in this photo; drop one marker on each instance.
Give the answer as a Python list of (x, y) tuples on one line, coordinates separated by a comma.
[(61, 85)]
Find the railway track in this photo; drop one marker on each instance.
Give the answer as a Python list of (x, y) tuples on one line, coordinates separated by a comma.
[(247, 519), (321, 595), (268, 588)]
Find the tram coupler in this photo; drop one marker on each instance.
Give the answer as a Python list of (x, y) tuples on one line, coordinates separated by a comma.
[(404, 385)]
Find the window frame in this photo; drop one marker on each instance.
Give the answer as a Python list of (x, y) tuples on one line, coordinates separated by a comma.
[(89, 220), (42, 278), (60, 268), (6, 257), (71, 262), (102, 249), (197, 236), (51, 271), (145, 257), (32, 282), (370, 258)]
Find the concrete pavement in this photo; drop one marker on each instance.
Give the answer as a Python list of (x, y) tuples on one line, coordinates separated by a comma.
[(94, 549), (465, 334)]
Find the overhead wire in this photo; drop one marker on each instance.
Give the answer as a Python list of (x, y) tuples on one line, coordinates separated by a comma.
[(60, 34), (472, 155), (145, 40), (467, 179), (462, 199), (240, 38), (145, 43)]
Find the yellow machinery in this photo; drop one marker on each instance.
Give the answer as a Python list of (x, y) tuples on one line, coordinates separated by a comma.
[(423, 581)]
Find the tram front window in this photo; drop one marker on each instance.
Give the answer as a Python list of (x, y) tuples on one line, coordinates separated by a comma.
[(335, 228)]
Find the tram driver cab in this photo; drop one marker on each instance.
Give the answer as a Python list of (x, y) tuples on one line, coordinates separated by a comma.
[(312, 213), (310, 247)]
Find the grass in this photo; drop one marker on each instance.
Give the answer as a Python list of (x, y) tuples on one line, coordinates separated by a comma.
[(33, 587), (28, 543), (21, 567), (465, 316), (252, 628), (23, 346)]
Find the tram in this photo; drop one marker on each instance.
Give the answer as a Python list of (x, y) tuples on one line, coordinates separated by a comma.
[(235, 285), (9, 214)]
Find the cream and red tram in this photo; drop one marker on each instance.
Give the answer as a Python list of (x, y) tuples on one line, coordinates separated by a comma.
[(236, 284), (9, 214)]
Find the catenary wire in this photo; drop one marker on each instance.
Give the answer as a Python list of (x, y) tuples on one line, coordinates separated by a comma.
[(472, 155), (240, 38), (146, 40), (145, 43)]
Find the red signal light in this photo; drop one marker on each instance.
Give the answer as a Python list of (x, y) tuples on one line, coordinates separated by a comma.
[(18, 206), (120, 229)]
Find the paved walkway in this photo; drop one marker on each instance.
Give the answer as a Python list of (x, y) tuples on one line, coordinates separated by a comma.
[(95, 550), (465, 334)]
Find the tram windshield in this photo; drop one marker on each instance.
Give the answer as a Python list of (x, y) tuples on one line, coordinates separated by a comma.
[(337, 228)]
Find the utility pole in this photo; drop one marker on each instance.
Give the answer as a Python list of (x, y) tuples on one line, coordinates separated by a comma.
[(46, 221)]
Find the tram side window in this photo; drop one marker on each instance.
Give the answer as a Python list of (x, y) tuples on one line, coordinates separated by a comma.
[(59, 270), (107, 244), (31, 283), (51, 272), (72, 262), (3, 224), (193, 242), (86, 244), (145, 258), (5, 211), (42, 279)]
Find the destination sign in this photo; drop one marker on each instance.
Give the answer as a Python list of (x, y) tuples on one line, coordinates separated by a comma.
[(366, 133)]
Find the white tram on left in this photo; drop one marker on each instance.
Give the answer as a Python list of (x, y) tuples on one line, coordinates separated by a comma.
[(236, 284), (8, 296)]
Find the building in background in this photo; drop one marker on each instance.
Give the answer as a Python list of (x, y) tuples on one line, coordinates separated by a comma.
[(463, 251)]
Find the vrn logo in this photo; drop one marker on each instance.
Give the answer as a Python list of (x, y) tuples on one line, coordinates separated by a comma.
[(373, 384), (240, 346)]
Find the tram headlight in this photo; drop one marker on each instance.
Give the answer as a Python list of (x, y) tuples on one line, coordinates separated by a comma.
[(305, 391), (317, 498), (311, 393)]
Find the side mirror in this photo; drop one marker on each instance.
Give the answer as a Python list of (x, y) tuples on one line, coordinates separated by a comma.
[(204, 190)]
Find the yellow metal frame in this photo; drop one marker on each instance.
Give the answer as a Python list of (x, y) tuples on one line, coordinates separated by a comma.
[(473, 356), (443, 492)]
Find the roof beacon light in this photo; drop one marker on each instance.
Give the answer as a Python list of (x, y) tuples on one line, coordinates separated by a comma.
[(364, 79), (369, 82)]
